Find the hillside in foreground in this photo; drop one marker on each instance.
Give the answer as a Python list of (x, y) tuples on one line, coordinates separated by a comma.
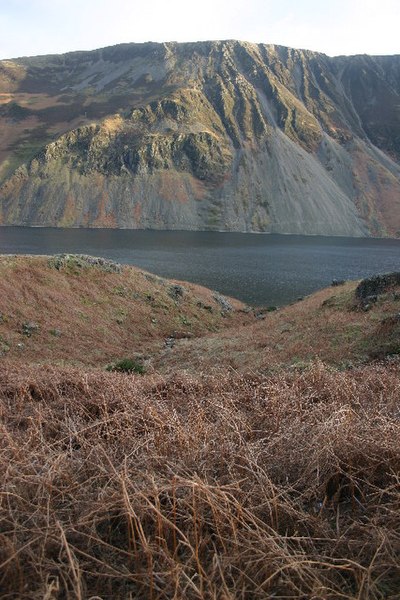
[(77, 309), (85, 311), (222, 135), (254, 475)]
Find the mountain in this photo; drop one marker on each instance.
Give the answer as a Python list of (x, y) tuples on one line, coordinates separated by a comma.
[(211, 135)]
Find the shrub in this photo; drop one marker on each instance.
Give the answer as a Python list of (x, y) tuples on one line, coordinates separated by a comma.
[(127, 365)]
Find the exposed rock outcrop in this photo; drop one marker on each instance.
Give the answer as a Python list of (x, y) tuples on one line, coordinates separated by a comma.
[(369, 289), (209, 135)]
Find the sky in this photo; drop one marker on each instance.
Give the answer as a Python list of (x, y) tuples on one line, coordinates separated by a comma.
[(31, 27)]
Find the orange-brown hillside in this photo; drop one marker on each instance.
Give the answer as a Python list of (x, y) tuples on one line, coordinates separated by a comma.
[(263, 473), (90, 311), (331, 325), (87, 311)]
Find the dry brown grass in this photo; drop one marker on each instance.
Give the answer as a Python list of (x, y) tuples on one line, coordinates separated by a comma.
[(327, 325), (98, 316), (223, 487)]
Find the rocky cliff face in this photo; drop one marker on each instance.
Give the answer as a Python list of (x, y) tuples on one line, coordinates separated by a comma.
[(214, 135)]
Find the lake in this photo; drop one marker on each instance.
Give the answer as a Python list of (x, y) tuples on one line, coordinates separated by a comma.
[(260, 269)]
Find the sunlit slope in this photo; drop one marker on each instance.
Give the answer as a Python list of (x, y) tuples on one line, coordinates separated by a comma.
[(74, 309), (210, 135), (333, 325)]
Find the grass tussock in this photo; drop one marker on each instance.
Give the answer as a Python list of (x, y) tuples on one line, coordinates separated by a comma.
[(222, 487)]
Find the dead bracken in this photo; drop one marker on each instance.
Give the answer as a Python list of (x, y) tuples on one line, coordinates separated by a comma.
[(229, 457), (122, 486)]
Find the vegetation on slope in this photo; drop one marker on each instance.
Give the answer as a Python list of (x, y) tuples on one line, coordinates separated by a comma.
[(332, 325), (220, 135), (275, 482), (89, 311), (84, 311), (117, 486)]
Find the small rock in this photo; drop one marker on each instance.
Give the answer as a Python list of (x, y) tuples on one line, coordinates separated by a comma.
[(176, 291), (223, 302), (367, 302), (373, 287), (170, 342), (261, 312), (336, 282), (20, 346), (201, 304), (246, 310)]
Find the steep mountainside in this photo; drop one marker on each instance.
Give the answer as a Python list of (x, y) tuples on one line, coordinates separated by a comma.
[(212, 135)]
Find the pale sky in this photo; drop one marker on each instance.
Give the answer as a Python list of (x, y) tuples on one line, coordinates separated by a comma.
[(31, 27)]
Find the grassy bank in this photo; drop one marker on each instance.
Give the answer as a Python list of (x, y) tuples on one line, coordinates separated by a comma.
[(73, 309)]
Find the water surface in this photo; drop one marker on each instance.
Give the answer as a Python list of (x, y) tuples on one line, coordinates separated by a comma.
[(256, 268)]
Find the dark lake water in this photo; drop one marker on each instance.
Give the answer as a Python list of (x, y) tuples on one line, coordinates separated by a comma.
[(258, 269)]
